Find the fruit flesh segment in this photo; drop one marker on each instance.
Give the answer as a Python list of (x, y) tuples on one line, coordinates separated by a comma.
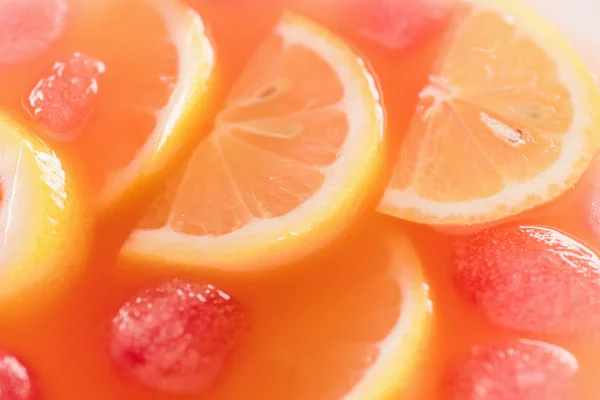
[(271, 147), (509, 116)]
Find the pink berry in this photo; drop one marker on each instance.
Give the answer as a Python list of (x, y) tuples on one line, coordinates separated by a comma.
[(15, 382), (28, 27), (63, 100), (176, 337), (519, 370), (530, 278)]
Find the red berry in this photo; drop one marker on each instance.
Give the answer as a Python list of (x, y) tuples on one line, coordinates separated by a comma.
[(520, 370), (15, 382), (176, 337), (530, 278), (64, 99), (28, 27)]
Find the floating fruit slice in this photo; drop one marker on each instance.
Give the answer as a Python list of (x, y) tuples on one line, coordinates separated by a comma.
[(351, 325), (530, 278), (508, 121), (43, 237), (519, 370), (176, 337), (125, 102), (381, 307), (290, 163)]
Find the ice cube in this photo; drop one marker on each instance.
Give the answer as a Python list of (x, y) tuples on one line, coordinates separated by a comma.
[(64, 99)]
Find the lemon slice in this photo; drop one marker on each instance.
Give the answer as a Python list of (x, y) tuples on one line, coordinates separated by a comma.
[(129, 102), (43, 229), (175, 122), (345, 325), (402, 351), (509, 121), (290, 164)]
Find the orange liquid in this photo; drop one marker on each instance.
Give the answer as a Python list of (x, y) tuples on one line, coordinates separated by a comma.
[(68, 343)]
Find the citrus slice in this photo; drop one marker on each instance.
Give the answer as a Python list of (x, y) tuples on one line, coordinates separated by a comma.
[(126, 101), (508, 121), (288, 166), (346, 325), (42, 226)]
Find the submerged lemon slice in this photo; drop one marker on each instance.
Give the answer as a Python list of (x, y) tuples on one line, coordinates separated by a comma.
[(43, 229), (129, 102), (345, 325)]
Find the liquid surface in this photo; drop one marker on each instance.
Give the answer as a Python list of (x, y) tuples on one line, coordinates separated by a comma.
[(73, 351)]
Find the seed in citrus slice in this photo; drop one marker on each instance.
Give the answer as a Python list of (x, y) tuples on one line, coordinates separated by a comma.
[(176, 337), (291, 162), (42, 223), (345, 325), (509, 121), (15, 379), (29, 27), (519, 370), (530, 278), (126, 101)]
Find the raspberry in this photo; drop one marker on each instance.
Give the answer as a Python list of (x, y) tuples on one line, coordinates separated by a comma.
[(176, 337), (64, 99), (28, 28), (530, 278), (519, 370)]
